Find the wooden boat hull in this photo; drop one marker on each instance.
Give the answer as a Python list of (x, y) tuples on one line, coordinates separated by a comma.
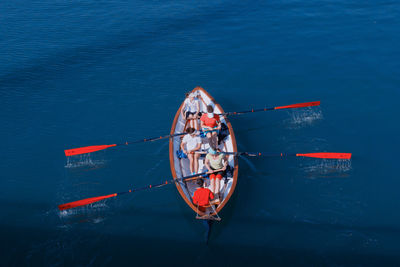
[(180, 167)]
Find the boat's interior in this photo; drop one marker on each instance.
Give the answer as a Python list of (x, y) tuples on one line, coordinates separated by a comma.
[(181, 165)]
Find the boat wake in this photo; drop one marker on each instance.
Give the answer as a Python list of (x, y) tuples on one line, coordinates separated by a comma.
[(249, 163), (304, 117), (161, 148), (328, 168), (154, 168)]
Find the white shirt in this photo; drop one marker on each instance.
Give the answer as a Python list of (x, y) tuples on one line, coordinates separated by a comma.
[(191, 142), (191, 106)]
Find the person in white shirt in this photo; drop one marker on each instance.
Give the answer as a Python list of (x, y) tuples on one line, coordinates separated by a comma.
[(191, 143), (191, 110)]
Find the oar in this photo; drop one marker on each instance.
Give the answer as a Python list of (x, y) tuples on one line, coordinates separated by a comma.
[(299, 105), (91, 200), (320, 155), (89, 149)]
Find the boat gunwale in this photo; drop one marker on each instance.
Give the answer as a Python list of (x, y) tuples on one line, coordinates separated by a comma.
[(172, 156)]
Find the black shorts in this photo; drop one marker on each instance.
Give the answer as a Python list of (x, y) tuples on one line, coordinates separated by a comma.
[(191, 113)]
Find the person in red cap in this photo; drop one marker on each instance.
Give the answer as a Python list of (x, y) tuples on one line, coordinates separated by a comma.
[(202, 195)]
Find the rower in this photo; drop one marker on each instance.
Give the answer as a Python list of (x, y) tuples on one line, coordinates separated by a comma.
[(210, 123), (191, 110), (190, 144), (216, 163)]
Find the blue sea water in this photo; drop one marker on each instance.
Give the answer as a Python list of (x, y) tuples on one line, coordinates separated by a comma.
[(78, 73)]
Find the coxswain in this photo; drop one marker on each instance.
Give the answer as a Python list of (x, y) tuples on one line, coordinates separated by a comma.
[(202, 196)]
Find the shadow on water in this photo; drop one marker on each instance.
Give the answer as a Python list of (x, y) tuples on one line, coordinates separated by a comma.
[(227, 214), (42, 247)]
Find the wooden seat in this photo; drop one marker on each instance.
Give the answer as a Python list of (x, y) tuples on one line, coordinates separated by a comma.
[(212, 215), (212, 202), (215, 202)]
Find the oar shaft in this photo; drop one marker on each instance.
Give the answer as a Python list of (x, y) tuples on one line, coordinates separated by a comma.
[(263, 154), (247, 111), (259, 154), (152, 139), (299, 105), (91, 200), (90, 149), (321, 155), (171, 181)]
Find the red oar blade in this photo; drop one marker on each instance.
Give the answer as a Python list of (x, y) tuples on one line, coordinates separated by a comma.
[(86, 149), (301, 105), (83, 202), (326, 155)]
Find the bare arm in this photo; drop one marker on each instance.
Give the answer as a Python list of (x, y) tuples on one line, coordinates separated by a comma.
[(207, 163), (198, 106), (183, 109), (219, 123), (183, 147), (203, 126), (226, 162), (196, 148)]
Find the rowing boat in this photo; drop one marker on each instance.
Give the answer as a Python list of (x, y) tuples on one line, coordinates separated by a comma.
[(180, 166)]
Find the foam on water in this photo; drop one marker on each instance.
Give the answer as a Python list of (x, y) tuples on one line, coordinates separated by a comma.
[(84, 160), (86, 210), (303, 117), (327, 168)]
